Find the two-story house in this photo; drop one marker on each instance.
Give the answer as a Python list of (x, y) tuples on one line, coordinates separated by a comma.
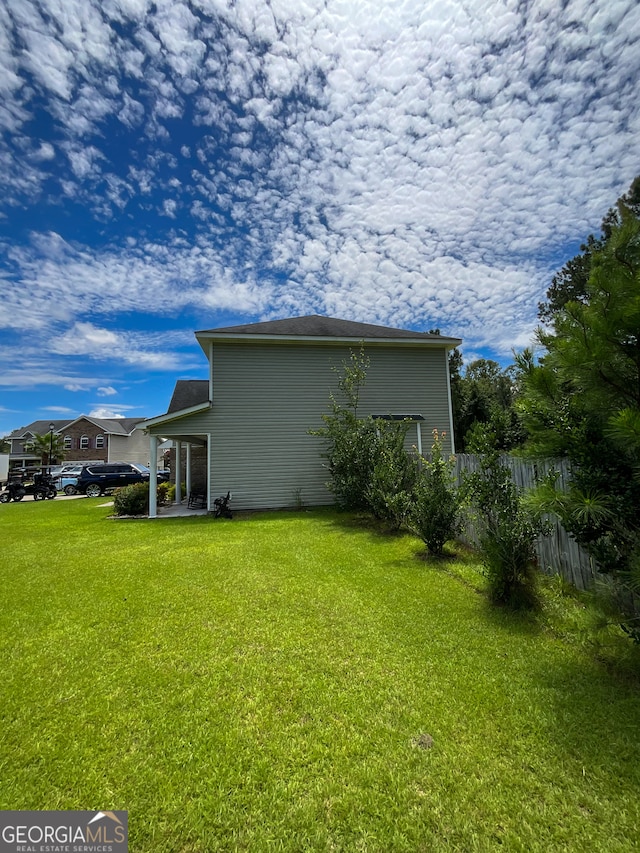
[(85, 439), (270, 383)]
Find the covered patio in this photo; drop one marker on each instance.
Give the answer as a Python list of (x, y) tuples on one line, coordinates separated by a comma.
[(182, 473), (186, 424)]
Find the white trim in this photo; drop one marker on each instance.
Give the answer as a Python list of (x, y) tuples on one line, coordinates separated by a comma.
[(174, 416), (448, 378), (210, 360), (100, 424), (238, 337)]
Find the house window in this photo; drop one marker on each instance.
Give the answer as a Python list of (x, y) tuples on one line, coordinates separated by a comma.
[(68, 442), (84, 442), (99, 442), (415, 418)]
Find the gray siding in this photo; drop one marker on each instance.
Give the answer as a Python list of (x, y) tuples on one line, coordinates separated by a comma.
[(129, 448), (266, 397)]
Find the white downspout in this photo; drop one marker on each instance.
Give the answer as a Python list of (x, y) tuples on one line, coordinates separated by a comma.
[(448, 377)]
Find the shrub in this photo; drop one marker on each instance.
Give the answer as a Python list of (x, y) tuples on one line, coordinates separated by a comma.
[(162, 491), (435, 510), (507, 530), (350, 458), (393, 475), (132, 500)]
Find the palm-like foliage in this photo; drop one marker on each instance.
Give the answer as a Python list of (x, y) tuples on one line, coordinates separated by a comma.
[(46, 446)]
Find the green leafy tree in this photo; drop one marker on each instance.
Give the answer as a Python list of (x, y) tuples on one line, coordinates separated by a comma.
[(582, 400), (485, 394)]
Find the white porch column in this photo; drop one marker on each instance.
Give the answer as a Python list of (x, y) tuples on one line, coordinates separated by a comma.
[(209, 471), (153, 476), (178, 445), (188, 471)]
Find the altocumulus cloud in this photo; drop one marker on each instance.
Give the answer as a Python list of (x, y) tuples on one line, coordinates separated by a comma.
[(412, 162)]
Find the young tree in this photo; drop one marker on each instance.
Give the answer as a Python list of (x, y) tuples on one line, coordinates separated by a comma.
[(350, 441), (435, 507), (507, 529)]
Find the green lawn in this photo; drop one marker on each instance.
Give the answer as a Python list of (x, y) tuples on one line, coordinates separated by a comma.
[(294, 682)]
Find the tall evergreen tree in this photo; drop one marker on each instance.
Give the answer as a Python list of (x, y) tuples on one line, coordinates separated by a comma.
[(570, 283), (582, 400)]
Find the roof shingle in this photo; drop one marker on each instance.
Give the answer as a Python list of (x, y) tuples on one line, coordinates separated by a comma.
[(315, 325)]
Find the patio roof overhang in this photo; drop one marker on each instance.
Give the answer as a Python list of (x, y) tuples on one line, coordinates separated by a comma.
[(170, 417)]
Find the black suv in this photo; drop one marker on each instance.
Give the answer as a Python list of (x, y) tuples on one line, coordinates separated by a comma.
[(94, 480)]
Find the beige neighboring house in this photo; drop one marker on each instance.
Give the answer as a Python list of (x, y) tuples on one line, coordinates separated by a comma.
[(270, 383), (85, 439)]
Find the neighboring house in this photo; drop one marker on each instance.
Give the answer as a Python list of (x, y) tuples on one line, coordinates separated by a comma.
[(85, 439), (270, 383)]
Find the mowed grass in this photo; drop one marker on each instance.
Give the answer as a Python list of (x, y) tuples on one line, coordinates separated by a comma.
[(294, 682)]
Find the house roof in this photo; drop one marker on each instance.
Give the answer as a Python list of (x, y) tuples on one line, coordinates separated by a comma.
[(112, 426), (317, 326), (38, 428), (188, 393)]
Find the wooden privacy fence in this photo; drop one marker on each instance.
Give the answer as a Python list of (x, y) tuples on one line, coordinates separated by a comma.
[(558, 553)]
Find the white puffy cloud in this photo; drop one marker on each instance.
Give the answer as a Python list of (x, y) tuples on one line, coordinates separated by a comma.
[(86, 339), (416, 162), (101, 412)]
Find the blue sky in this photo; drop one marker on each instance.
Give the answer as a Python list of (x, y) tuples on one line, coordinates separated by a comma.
[(173, 166)]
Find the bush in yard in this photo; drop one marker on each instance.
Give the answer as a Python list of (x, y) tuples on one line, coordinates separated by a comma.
[(393, 477), (435, 510), (350, 452), (132, 500), (507, 531), (162, 491)]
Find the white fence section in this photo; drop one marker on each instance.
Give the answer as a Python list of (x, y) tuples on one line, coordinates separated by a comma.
[(557, 553)]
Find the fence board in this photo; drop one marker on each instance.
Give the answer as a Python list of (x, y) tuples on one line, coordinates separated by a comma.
[(558, 553)]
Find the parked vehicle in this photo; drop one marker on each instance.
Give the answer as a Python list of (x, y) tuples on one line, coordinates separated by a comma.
[(13, 491), (95, 480), (44, 487), (41, 486), (67, 479)]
